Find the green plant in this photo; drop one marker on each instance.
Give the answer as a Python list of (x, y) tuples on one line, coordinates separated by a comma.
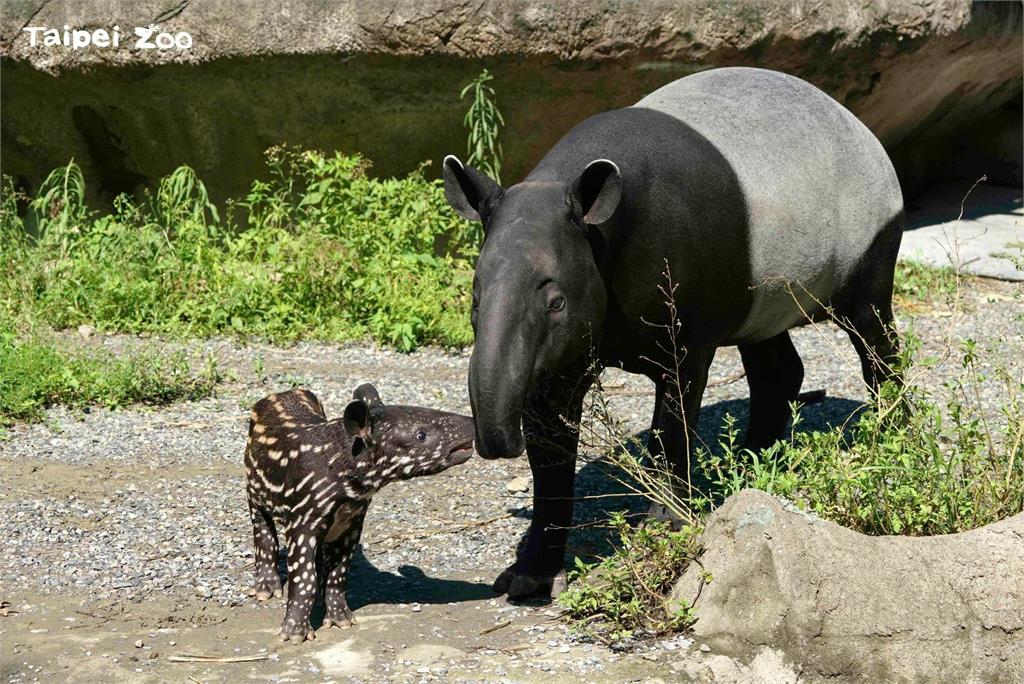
[(35, 375), (1016, 254), (906, 465), (60, 203), (318, 250), (918, 285), (181, 198), (259, 369), (483, 124), (627, 593)]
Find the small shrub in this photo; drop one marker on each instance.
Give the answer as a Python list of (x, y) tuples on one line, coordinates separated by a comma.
[(321, 251), (626, 593), (905, 465), (35, 375)]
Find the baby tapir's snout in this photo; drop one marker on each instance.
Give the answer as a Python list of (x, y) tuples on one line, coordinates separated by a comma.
[(313, 478)]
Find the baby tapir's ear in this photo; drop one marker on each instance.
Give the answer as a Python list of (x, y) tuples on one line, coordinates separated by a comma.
[(358, 421), (367, 393)]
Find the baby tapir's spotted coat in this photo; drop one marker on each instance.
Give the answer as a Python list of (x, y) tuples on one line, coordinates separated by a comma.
[(315, 478)]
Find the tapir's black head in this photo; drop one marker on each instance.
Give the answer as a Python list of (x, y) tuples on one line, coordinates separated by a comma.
[(538, 297), (399, 442)]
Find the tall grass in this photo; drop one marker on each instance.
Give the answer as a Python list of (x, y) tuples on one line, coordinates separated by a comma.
[(319, 250), (483, 122)]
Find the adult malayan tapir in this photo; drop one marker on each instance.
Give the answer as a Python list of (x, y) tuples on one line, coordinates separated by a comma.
[(766, 199)]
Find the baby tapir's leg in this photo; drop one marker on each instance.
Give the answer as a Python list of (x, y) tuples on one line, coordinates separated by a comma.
[(264, 537), (338, 550), (302, 584)]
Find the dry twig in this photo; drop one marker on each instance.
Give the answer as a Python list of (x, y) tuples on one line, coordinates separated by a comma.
[(192, 658), (496, 627)]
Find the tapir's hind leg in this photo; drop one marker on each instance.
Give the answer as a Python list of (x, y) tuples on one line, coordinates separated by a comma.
[(264, 535), (867, 313), (774, 374), (873, 332)]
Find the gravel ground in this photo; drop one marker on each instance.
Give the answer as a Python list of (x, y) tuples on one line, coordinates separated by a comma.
[(114, 510)]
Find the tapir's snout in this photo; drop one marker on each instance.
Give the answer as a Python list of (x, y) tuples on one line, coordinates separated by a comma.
[(461, 449), (461, 454), (499, 443), (497, 386)]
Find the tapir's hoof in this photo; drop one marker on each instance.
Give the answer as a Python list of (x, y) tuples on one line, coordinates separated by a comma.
[(533, 587), (812, 396), (263, 595), (504, 580), (297, 637), (278, 593), (529, 586), (343, 623), (525, 586)]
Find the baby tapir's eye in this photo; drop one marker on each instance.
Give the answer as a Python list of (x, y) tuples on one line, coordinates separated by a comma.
[(421, 436)]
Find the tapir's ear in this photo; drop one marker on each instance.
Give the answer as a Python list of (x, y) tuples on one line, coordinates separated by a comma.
[(595, 195), (358, 420), (471, 193), (367, 393)]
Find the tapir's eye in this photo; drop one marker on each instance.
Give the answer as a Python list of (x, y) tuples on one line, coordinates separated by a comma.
[(557, 304), (421, 436)]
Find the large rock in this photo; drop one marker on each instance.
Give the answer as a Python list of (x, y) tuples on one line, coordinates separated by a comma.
[(937, 80), (843, 605)]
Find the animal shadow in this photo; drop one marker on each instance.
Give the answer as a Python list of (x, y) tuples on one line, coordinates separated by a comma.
[(368, 585), (602, 489)]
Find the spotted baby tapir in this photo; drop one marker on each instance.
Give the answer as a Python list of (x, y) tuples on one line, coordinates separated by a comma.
[(313, 478)]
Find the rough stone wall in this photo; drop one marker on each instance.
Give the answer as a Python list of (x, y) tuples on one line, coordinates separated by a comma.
[(844, 606), (383, 78)]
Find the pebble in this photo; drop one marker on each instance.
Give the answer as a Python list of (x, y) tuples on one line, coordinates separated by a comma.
[(519, 484), (139, 644)]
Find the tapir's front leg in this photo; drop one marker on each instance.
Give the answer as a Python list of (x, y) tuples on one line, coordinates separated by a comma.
[(339, 547), (550, 425), (302, 583)]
